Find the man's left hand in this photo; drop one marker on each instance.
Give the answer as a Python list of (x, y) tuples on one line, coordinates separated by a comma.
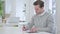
[(33, 29)]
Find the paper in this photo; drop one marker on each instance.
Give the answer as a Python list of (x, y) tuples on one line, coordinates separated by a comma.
[(28, 31)]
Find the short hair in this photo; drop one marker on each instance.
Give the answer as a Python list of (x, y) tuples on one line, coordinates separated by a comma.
[(40, 3)]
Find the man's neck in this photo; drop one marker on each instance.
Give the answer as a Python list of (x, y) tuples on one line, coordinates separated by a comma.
[(40, 13)]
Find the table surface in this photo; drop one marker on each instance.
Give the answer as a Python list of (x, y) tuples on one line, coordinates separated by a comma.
[(5, 29), (15, 30)]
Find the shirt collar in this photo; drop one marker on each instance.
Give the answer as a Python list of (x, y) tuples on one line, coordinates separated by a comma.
[(41, 14)]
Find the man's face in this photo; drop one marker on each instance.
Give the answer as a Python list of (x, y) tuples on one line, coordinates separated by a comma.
[(38, 9)]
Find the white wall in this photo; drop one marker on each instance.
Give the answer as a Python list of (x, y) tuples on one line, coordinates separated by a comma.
[(19, 9), (7, 6), (10, 7), (58, 16)]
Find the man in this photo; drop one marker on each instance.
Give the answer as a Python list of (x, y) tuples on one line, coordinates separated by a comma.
[(42, 21)]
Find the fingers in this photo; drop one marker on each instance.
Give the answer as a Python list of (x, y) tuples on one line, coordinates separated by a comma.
[(24, 28), (33, 30)]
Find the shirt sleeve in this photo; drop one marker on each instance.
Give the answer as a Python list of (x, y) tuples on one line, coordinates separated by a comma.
[(49, 25), (30, 24)]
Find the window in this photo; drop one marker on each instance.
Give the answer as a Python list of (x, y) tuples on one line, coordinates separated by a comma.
[(21, 9), (52, 6)]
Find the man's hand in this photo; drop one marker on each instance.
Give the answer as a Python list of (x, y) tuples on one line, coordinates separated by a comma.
[(24, 28), (33, 29)]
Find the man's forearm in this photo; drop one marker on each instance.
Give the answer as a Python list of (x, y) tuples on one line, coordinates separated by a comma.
[(47, 29)]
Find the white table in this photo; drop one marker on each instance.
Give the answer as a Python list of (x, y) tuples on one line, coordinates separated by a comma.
[(15, 30)]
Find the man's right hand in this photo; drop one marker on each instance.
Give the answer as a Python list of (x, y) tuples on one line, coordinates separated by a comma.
[(24, 28)]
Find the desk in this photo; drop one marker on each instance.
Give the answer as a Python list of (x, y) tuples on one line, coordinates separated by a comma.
[(15, 30)]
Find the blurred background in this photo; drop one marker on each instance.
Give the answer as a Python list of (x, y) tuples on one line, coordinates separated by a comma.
[(17, 12)]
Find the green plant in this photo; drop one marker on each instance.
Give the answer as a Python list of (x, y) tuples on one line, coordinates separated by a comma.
[(1, 7)]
